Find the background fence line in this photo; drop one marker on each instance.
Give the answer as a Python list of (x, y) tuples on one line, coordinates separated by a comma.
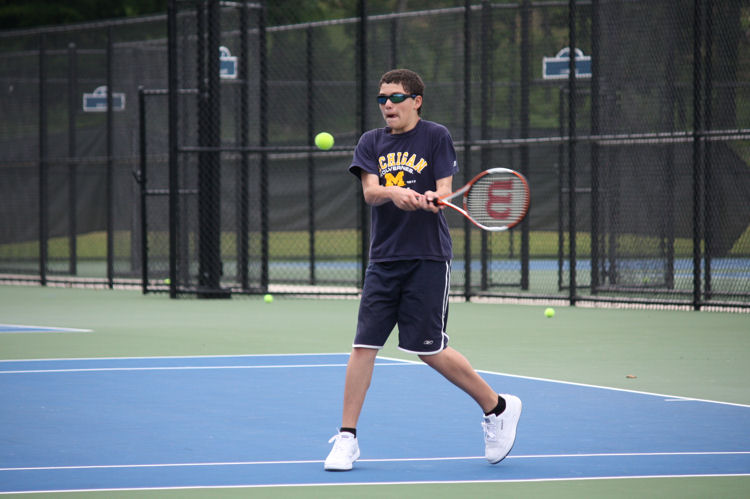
[(638, 169)]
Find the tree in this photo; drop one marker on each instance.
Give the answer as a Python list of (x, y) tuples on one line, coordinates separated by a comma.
[(16, 14)]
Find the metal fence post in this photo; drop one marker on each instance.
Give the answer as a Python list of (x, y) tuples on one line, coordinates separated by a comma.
[(244, 172), (572, 149), (364, 210), (141, 178), (209, 164), (697, 149), (467, 142), (263, 118), (486, 102), (595, 130), (708, 208), (309, 66), (110, 168), (72, 165), (524, 129), (43, 190), (561, 190), (173, 105)]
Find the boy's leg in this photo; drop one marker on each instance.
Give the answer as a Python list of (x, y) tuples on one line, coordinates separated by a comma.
[(375, 321), (457, 369), (358, 377), (500, 421)]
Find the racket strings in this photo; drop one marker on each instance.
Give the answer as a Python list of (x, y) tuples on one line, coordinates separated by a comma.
[(497, 200)]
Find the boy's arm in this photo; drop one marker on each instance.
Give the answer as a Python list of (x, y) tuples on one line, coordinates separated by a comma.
[(444, 186), (376, 194)]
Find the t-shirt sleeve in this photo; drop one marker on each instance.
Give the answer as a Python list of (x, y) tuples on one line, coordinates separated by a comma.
[(364, 157), (446, 163)]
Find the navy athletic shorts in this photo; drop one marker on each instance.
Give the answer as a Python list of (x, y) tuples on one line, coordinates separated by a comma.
[(412, 294)]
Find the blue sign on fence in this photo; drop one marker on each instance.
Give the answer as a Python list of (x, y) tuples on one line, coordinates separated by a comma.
[(558, 67), (96, 102), (227, 64)]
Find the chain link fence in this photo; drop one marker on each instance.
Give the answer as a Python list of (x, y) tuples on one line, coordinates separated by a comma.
[(197, 173)]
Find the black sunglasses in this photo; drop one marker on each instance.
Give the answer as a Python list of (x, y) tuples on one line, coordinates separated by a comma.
[(395, 98)]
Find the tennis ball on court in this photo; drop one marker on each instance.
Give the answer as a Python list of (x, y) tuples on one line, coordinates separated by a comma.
[(549, 312), (324, 140), (268, 298), (167, 281)]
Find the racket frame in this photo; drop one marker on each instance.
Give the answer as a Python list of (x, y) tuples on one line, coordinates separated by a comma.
[(464, 192)]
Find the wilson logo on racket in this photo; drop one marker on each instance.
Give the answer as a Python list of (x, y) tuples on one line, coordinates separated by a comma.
[(496, 199), (500, 197)]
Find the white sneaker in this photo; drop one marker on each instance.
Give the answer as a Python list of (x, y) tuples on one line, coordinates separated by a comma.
[(345, 451), (500, 431)]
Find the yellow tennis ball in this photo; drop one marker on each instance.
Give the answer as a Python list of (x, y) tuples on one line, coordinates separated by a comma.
[(549, 312), (268, 298), (324, 140)]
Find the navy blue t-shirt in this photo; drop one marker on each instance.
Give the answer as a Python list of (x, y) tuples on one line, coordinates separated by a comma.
[(414, 160)]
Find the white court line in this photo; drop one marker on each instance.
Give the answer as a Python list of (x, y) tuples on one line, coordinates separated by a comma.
[(668, 398), (390, 362), (399, 362), (345, 484), (180, 368), (23, 328), (225, 356), (382, 460)]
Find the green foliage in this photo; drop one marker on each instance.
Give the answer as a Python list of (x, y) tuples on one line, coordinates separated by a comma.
[(30, 13), (282, 12)]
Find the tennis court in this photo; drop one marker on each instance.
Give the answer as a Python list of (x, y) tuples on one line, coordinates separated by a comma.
[(114, 391)]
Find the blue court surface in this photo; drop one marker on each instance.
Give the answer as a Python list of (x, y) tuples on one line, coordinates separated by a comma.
[(227, 421)]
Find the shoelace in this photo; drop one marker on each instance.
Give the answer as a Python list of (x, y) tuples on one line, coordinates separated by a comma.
[(338, 447), (338, 436), (489, 428)]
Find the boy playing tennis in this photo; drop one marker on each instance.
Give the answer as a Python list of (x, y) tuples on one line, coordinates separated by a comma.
[(404, 168)]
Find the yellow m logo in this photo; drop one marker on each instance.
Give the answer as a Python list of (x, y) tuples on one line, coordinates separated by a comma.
[(398, 180)]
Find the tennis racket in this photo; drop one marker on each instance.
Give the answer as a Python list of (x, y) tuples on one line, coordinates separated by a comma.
[(497, 199)]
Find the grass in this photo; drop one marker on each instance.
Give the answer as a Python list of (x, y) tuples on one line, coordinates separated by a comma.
[(345, 244)]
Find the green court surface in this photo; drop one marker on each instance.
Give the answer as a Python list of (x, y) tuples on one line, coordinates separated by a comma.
[(700, 355)]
